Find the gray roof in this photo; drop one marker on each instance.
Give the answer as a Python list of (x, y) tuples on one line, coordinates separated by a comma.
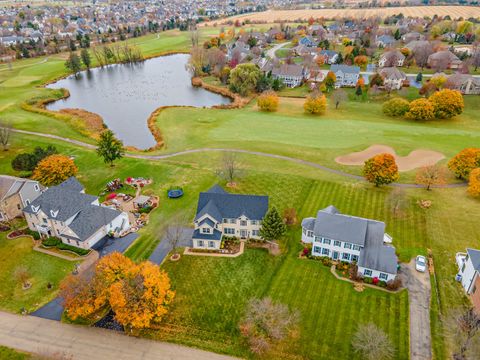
[(345, 69), (288, 70), (72, 184), (474, 258), (92, 218), (217, 235), (222, 205), (10, 185), (308, 223), (375, 255)]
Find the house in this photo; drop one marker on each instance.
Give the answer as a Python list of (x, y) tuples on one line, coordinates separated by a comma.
[(15, 194), (291, 74), (469, 274), (346, 75), (392, 77), (352, 239), (444, 59), (391, 58), (66, 212), (465, 83), (220, 213), (384, 41), (308, 41), (412, 36), (329, 56)]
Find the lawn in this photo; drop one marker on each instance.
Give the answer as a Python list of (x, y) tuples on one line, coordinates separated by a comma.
[(10, 354), (43, 268)]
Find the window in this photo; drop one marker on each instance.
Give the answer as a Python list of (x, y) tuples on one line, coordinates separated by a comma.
[(355, 258), (346, 256), (229, 231), (36, 187), (304, 231), (367, 272), (243, 222), (383, 276), (463, 267), (233, 221), (356, 247), (200, 243), (318, 239), (27, 202), (205, 230), (337, 243), (225, 221), (211, 244), (325, 252), (254, 222), (327, 241), (317, 249), (310, 233), (44, 221), (347, 246), (255, 232), (19, 207)]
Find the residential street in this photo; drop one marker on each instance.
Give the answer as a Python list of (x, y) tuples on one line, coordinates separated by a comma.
[(418, 285), (32, 334), (271, 52)]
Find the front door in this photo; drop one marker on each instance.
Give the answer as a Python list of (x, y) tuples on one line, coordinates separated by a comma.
[(243, 234), (335, 255)]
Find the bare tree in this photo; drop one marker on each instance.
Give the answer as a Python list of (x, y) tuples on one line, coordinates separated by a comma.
[(476, 57), (229, 168), (194, 36), (431, 175), (464, 331), (266, 323), (22, 275), (5, 133), (175, 233), (339, 96), (397, 202), (372, 343), (421, 54)]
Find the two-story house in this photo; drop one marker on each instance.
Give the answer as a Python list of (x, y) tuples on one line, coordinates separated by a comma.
[(76, 218), (352, 239), (392, 77), (291, 75), (220, 213), (345, 75), (15, 194), (469, 274)]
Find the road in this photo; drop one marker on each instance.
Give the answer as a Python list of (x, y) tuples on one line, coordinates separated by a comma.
[(257, 153), (418, 285), (36, 335), (271, 52)]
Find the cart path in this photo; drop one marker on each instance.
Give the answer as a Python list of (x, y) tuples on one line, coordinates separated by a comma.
[(241, 151), (47, 337)]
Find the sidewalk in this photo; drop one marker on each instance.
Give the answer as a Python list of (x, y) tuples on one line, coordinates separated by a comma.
[(35, 335)]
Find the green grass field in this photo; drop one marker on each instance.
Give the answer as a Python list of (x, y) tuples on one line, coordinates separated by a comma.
[(10, 354)]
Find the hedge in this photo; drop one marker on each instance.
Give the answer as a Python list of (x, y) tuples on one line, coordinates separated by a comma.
[(55, 242)]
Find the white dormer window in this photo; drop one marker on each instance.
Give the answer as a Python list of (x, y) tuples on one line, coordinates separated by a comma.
[(35, 209), (53, 213), (36, 187)]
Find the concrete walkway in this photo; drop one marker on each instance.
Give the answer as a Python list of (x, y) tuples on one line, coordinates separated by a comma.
[(48, 337), (257, 153)]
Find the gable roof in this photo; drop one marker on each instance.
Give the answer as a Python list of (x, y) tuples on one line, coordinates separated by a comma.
[(92, 218), (72, 184), (347, 69), (10, 185), (375, 255), (222, 205), (392, 73), (474, 256), (288, 70)]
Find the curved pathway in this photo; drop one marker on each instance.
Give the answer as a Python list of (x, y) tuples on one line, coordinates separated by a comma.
[(249, 152)]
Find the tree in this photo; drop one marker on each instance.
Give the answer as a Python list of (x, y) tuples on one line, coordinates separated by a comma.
[(463, 328), (339, 96), (330, 80), (268, 101), (86, 59), (141, 297), (376, 80), (22, 275), (315, 104), (397, 202), (395, 107), (290, 216), (358, 91), (54, 169), (381, 169), (273, 226), (430, 176), (266, 323), (197, 60), (175, 233), (29, 161), (447, 103), (360, 60), (419, 78), (244, 78), (464, 162), (474, 182), (421, 54), (5, 134), (230, 168), (109, 147), (372, 343), (421, 109), (73, 63)]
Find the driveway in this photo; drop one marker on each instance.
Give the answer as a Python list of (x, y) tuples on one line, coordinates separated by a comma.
[(48, 337), (164, 247), (418, 285), (271, 52)]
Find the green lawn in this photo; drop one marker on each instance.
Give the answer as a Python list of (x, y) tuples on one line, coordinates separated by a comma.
[(43, 269), (10, 354)]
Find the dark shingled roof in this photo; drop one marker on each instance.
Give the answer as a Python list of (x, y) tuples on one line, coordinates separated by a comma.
[(72, 184), (92, 218), (475, 258), (217, 235), (222, 205), (375, 255)]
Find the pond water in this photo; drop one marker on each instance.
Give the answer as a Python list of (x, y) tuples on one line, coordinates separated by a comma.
[(125, 95)]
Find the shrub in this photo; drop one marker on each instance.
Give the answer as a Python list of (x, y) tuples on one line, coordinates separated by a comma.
[(447, 103), (421, 109), (395, 107), (51, 241), (474, 182), (394, 284), (367, 280), (56, 242), (464, 162), (145, 210), (32, 233), (382, 283), (315, 104), (305, 251), (244, 78), (268, 101), (381, 169)]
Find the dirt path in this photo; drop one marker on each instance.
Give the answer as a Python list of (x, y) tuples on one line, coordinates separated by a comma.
[(418, 285), (257, 153), (48, 337)]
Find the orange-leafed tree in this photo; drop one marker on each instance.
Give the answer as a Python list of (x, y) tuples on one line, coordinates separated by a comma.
[(315, 104), (360, 60), (113, 267), (432, 175), (421, 109), (268, 101), (381, 169), (54, 169), (447, 103), (474, 182), (142, 297), (464, 162)]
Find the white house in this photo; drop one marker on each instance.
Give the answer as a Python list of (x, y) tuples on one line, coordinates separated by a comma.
[(392, 77), (292, 75), (345, 75), (391, 58), (469, 269), (222, 214), (76, 218), (352, 239)]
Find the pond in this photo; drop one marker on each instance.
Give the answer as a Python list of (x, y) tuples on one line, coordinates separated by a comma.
[(125, 95)]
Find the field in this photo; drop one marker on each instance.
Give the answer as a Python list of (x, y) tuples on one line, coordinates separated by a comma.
[(271, 16)]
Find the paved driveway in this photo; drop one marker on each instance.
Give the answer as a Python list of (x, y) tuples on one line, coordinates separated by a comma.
[(48, 337), (163, 248), (418, 285)]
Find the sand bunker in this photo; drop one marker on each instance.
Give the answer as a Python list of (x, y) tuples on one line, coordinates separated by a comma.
[(414, 160)]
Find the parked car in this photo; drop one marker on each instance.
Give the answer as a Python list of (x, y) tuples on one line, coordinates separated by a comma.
[(421, 263)]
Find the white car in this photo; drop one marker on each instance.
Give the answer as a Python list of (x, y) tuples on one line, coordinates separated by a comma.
[(421, 263)]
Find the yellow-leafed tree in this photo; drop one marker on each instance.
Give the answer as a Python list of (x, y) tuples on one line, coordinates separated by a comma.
[(54, 169)]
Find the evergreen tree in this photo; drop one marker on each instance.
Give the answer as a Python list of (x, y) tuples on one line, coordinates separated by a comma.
[(397, 35), (109, 147), (419, 77), (358, 91), (73, 63), (273, 226), (86, 59)]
